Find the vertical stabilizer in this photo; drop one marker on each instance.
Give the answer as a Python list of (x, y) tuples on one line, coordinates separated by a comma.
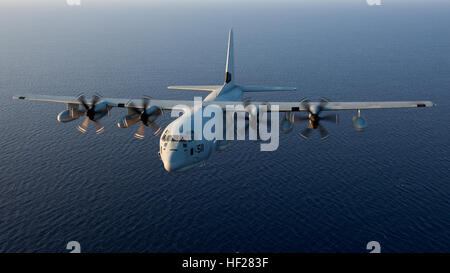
[(229, 69)]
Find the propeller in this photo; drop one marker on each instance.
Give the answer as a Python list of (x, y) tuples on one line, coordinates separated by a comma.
[(146, 116), (314, 118), (91, 114)]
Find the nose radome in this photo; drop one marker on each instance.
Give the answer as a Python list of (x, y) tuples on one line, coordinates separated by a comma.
[(165, 158), (167, 167), (172, 166), (170, 161)]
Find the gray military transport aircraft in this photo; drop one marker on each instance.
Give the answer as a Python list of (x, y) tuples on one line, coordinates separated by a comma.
[(182, 152)]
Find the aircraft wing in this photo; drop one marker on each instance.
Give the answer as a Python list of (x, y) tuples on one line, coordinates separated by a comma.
[(283, 106), (112, 102), (209, 88), (376, 105), (266, 89), (331, 106)]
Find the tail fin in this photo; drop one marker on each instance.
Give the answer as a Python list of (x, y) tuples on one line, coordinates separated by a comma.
[(229, 68)]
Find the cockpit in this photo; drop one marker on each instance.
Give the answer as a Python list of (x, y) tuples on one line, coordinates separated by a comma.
[(167, 137), (180, 152)]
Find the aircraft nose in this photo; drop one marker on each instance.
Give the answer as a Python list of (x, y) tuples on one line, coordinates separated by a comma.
[(169, 166), (171, 161)]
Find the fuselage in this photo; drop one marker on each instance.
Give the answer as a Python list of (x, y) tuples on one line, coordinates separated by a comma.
[(179, 153)]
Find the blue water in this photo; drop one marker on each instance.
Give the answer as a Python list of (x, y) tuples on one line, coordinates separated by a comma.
[(111, 193)]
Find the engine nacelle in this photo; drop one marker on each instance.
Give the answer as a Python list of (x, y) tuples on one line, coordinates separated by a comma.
[(359, 123), (101, 110), (153, 113), (287, 123)]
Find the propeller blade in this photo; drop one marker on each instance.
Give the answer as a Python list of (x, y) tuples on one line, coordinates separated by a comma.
[(84, 126), (82, 99), (140, 134), (156, 128), (135, 118), (323, 102), (95, 99), (305, 133), (323, 132), (145, 102), (330, 118), (300, 119), (305, 104), (99, 126), (134, 109)]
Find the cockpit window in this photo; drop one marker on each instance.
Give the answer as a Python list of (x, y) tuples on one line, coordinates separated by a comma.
[(164, 135), (177, 138), (174, 138)]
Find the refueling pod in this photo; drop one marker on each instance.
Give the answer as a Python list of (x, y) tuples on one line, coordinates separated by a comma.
[(72, 113), (66, 116), (359, 123)]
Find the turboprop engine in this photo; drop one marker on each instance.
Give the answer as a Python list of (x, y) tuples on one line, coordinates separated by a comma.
[(146, 115), (93, 111)]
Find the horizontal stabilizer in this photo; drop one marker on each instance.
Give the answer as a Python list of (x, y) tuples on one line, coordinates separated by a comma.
[(266, 89), (209, 88)]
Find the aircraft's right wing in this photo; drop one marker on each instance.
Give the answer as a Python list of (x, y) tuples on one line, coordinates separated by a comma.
[(111, 102)]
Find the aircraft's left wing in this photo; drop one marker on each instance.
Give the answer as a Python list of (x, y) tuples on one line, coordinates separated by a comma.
[(331, 106), (209, 88), (111, 102)]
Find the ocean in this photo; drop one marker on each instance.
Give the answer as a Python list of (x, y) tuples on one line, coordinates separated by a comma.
[(110, 192)]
